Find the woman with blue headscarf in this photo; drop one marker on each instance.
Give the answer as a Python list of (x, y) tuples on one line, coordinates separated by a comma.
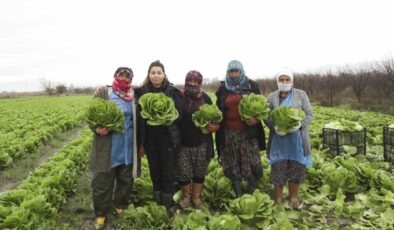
[(239, 143), (289, 153)]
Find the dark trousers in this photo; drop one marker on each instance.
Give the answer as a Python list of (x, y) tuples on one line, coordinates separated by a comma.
[(112, 189), (161, 159)]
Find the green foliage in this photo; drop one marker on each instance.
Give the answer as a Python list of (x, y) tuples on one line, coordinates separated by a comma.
[(158, 109), (253, 106), (105, 113), (207, 114), (344, 125), (225, 222), (253, 210), (150, 216), (286, 118)]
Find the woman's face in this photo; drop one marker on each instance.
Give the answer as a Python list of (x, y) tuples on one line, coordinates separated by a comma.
[(193, 82), (284, 79), (156, 76), (234, 73), (124, 76)]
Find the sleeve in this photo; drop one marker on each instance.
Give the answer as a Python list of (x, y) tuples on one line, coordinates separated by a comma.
[(270, 124), (307, 108), (178, 100)]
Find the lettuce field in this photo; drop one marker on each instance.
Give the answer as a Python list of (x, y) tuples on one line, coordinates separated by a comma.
[(350, 191)]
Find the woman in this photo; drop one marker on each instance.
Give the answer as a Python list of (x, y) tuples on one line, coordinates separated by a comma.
[(160, 143), (290, 153), (239, 142), (196, 148), (114, 154)]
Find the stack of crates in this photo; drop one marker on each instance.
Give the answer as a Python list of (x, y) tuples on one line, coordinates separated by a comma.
[(388, 143), (335, 139)]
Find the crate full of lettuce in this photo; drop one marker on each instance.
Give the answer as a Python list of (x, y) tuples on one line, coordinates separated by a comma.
[(388, 143), (344, 137), (105, 114)]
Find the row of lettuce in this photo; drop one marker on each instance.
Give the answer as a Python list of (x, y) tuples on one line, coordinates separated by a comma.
[(343, 192), (28, 123), (35, 202), (350, 191)]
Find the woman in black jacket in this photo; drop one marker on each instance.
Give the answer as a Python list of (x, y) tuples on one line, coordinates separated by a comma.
[(196, 148), (160, 143), (238, 142)]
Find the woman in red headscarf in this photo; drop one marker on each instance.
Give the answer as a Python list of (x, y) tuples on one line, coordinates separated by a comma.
[(196, 148), (114, 154)]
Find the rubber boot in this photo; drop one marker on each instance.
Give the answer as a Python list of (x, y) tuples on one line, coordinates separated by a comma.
[(237, 188), (186, 197), (166, 200), (196, 194), (252, 186), (157, 197)]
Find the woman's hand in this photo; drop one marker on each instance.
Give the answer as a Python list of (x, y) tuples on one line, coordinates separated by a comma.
[(212, 127), (102, 131), (141, 151), (252, 121)]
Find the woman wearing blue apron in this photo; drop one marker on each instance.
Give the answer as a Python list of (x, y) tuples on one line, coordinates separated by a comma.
[(114, 159), (289, 153)]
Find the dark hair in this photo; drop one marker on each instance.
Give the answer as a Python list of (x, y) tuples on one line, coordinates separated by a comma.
[(123, 69), (156, 63)]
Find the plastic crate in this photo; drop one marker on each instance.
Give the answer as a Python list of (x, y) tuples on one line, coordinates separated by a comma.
[(335, 139), (388, 143)]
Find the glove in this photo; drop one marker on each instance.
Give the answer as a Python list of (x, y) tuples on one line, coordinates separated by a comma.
[(296, 128), (280, 133)]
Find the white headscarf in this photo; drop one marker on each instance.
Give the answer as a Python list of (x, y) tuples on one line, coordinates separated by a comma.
[(285, 71), (281, 86)]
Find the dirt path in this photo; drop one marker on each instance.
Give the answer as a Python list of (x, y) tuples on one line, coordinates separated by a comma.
[(78, 212), (11, 177)]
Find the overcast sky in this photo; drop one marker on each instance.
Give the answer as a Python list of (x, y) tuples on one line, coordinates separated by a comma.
[(82, 42)]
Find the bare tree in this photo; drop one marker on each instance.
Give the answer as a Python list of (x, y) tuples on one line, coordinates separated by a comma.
[(358, 80), (47, 86)]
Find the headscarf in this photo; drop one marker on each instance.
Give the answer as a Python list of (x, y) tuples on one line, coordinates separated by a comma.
[(235, 84), (285, 72), (193, 94), (122, 87)]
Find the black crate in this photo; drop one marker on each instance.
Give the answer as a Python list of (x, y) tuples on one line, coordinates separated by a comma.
[(388, 144), (335, 139)]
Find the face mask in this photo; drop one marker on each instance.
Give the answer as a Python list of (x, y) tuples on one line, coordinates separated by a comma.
[(193, 89), (284, 87)]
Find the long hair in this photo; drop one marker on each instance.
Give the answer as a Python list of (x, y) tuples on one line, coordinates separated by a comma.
[(156, 63)]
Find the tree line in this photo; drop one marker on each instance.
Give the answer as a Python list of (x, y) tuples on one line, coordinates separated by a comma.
[(368, 87)]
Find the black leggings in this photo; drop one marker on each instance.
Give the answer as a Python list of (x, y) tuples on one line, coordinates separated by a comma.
[(112, 189), (161, 159)]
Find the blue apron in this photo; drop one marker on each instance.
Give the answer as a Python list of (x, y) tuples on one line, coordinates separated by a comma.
[(122, 143), (289, 146)]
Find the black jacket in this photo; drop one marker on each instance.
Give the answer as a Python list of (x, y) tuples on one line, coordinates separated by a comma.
[(256, 131), (192, 136), (173, 130)]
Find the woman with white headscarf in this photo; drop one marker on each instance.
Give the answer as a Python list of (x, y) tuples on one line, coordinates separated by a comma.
[(289, 153)]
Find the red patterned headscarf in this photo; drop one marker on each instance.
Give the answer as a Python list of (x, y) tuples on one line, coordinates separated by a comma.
[(122, 87), (193, 94)]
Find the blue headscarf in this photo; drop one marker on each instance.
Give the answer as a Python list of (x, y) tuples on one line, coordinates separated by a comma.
[(235, 84)]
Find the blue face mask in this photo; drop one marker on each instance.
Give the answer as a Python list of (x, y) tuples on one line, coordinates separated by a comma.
[(192, 89)]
